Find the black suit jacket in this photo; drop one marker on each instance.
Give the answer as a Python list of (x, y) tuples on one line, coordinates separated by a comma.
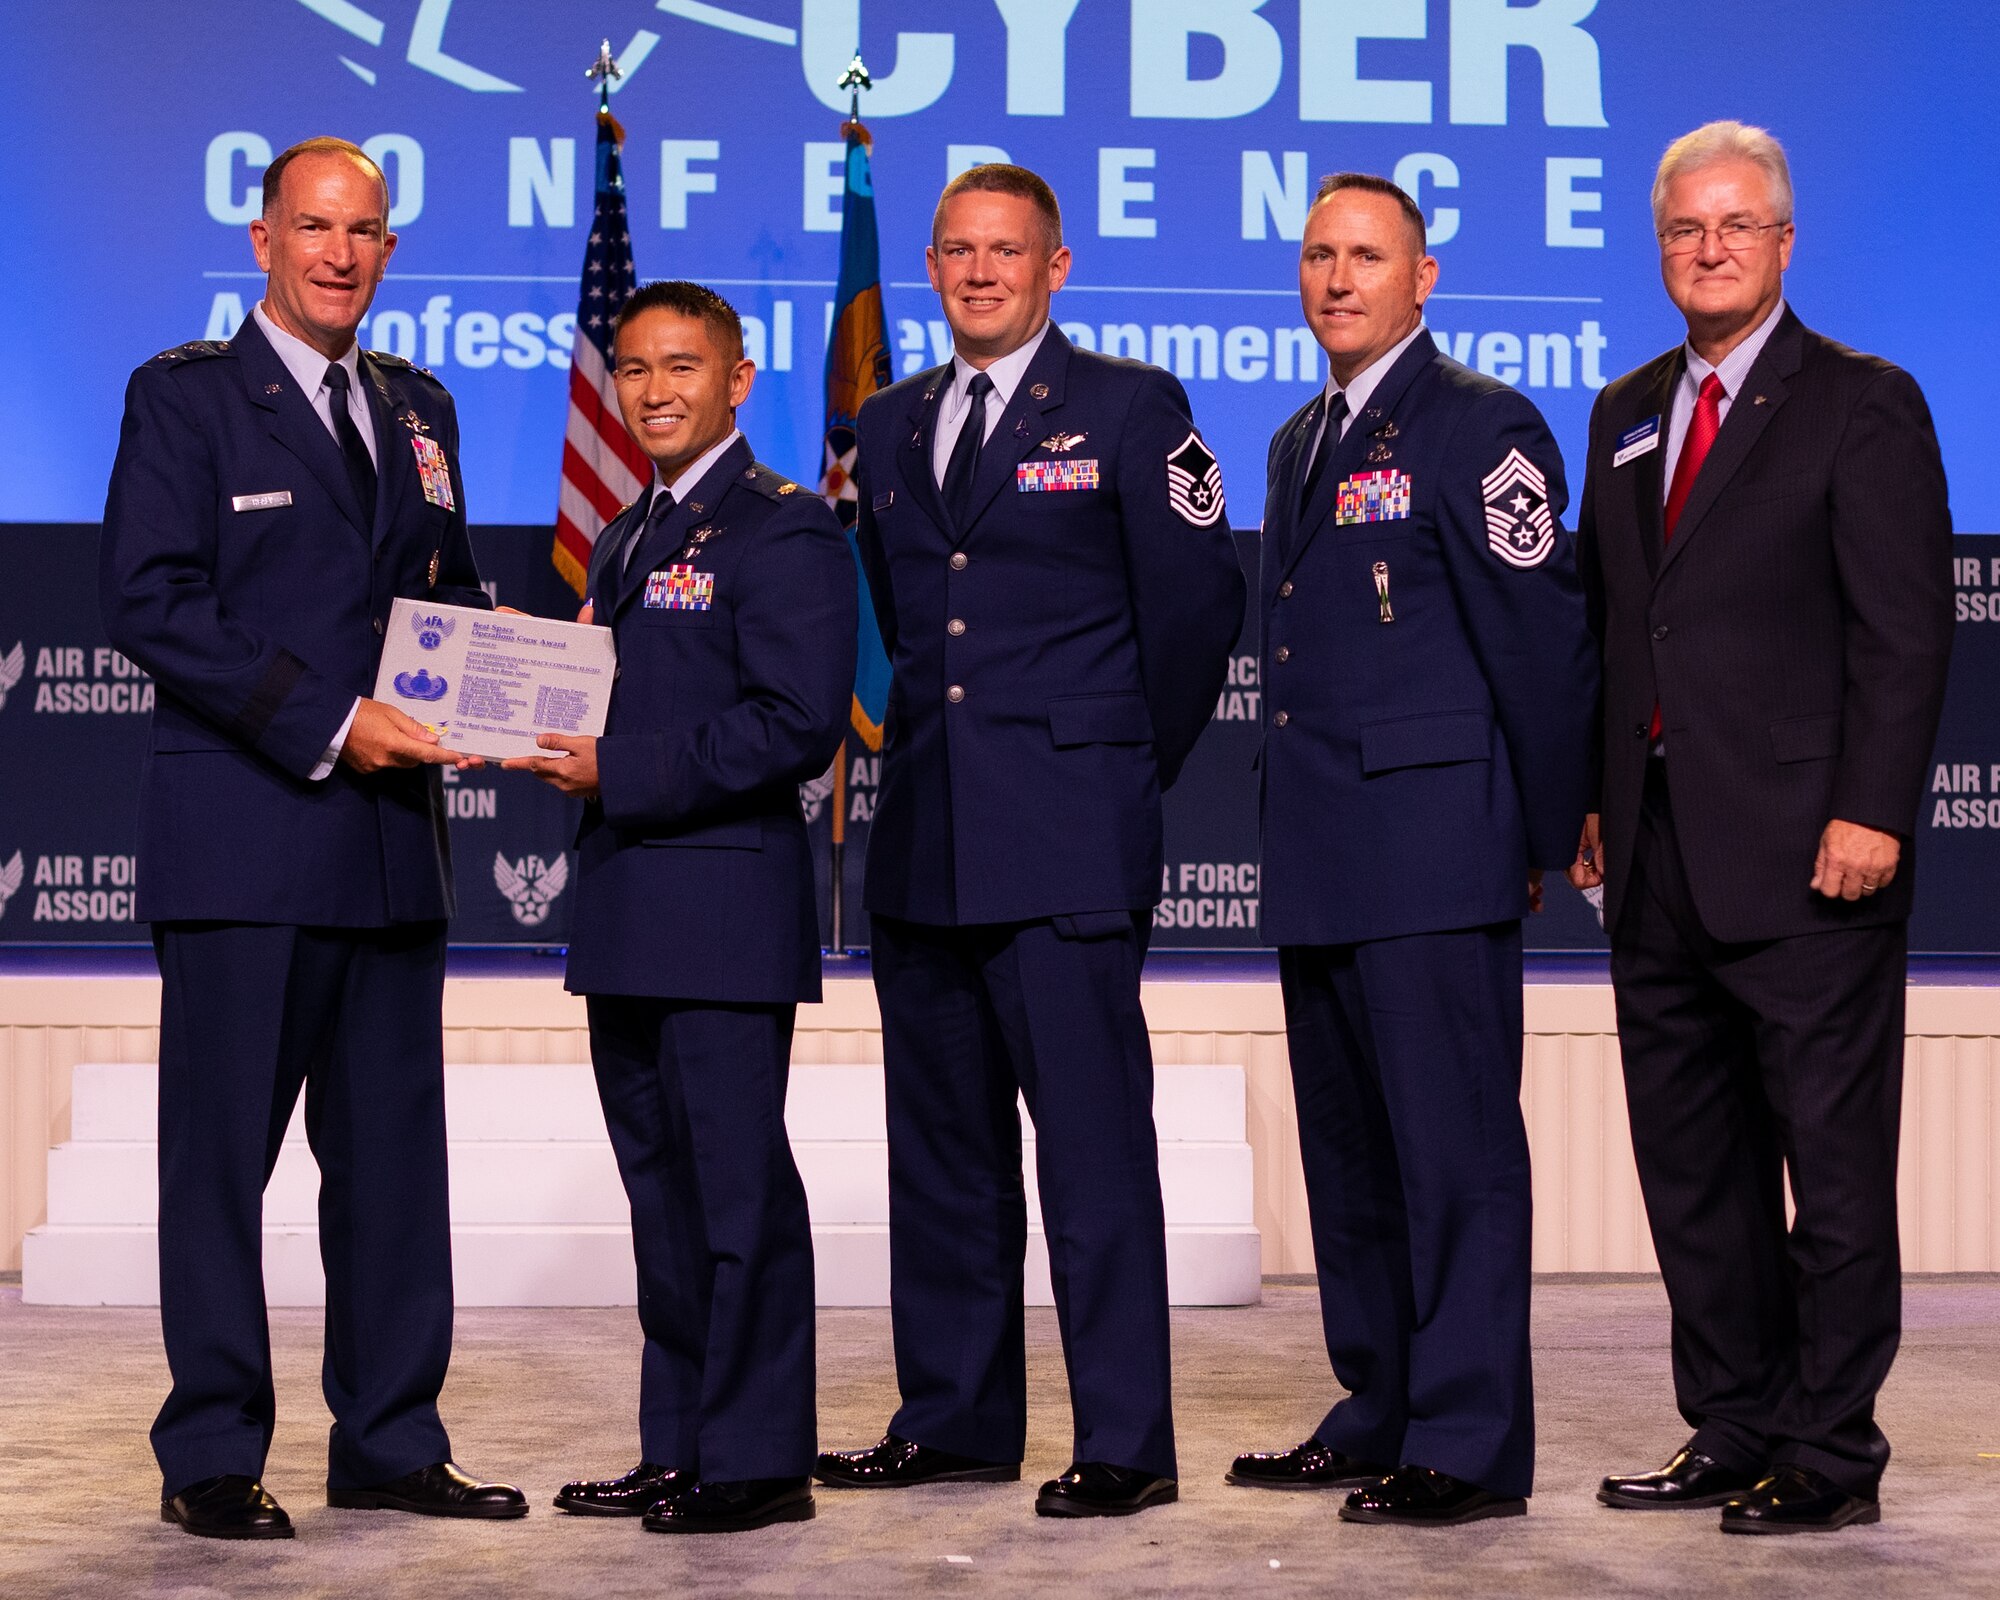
[(1795, 632)]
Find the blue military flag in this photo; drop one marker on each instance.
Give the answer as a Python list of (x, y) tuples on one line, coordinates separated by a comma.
[(857, 364)]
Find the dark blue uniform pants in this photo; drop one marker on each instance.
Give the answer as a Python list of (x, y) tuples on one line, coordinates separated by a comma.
[(1743, 1061), (249, 1014), (694, 1098), (970, 1016), (1406, 1066)]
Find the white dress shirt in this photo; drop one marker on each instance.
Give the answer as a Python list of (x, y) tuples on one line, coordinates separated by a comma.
[(308, 369), (1361, 386), (1732, 370), (1006, 375), (680, 489)]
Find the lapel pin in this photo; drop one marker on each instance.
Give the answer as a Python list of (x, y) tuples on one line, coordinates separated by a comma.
[(1040, 391), (274, 388), (916, 438), (696, 508), (1371, 413), (1021, 429), (1380, 452), (1758, 401), (1388, 430)]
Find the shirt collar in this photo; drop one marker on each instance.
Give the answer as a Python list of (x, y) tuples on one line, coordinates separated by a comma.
[(1735, 367), (1364, 383), (307, 365), (1006, 373), (684, 485)]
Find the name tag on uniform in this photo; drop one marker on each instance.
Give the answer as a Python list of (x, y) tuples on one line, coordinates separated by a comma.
[(435, 471), (679, 588), (1036, 477), (1636, 441), (261, 502), (1373, 497)]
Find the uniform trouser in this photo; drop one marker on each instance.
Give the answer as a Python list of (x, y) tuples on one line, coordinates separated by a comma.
[(249, 1014), (970, 1016), (1406, 1068), (694, 1098), (1744, 1061)]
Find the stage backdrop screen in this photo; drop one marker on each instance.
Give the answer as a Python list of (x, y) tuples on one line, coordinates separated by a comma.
[(1184, 138)]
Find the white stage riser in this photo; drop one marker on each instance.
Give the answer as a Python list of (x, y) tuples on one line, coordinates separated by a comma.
[(120, 1100), (580, 1266), (514, 1183)]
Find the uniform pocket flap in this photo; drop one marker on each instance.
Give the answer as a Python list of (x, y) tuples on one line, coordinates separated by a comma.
[(739, 833), (1100, 719), (1806, 738), (1430, 740)]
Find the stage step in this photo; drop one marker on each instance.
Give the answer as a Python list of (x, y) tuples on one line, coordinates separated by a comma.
[(539, 1216)]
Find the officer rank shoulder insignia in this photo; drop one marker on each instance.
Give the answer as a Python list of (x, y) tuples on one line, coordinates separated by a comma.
[(679, 588), (1036, 476), (434, 470), (1372, 497), (1194, 482), (193, 350), (1519, 529)]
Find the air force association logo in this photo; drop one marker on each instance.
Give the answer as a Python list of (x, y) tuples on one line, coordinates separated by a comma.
[(12, 665), (1519, 529), (10, 875), (1194, 482), (531, 885), (433, 630)]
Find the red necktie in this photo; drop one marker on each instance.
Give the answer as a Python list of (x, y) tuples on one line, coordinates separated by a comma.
[(1702, 429)]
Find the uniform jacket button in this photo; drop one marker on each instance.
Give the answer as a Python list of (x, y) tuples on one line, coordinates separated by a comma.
[(955, 693), (378, 624), (1660, 632), (955, 627), (958, 561), (1284, 653), (1281, 719), (1285, 590)]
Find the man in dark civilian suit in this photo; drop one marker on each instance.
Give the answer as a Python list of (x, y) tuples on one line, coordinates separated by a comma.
[(273, 495), (1767, 543), (1430, 679), (732, 598), (1045, 544)]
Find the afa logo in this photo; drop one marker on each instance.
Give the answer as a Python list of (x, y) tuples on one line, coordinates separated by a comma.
[(10, 879), (432, 631), (531, 885), (12, 665), (421, 685)]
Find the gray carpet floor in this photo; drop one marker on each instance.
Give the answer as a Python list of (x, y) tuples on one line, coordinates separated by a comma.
[(540, 1396)]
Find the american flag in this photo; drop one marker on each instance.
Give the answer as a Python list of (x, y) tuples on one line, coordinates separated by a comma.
[(602, 469)]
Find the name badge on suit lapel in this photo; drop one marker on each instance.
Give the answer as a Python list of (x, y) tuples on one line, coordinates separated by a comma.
[(1640, 439)]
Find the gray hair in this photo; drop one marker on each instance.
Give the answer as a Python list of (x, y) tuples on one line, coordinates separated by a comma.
[(1714, 142)]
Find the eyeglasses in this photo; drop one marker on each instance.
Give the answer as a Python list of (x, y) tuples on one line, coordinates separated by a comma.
[(1686, 239)]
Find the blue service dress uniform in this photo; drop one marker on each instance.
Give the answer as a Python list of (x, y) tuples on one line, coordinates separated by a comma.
[(299, 923), (1430, 683), (696, 935), (1055, 659)]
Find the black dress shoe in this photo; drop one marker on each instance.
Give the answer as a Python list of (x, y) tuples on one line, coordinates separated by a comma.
[(633, 1495), (1307, 1466), (1097, 1489), (233, 1506), (898, 1464), (1420, 1498), (1797, 1500), (1690, 1479), (733, 1507), (435, 1491)]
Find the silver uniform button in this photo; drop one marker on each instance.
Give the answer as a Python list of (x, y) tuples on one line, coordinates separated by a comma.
[(958, 561), (1285, 590), (955, 627), (1284, 653), (955, 693), (1281, 719)]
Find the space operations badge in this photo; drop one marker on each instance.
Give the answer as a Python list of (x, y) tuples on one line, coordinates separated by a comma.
[(421, 685)]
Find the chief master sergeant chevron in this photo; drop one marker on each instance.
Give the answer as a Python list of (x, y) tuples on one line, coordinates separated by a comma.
[(1430, 680), (1046, 548), (272, 496)]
